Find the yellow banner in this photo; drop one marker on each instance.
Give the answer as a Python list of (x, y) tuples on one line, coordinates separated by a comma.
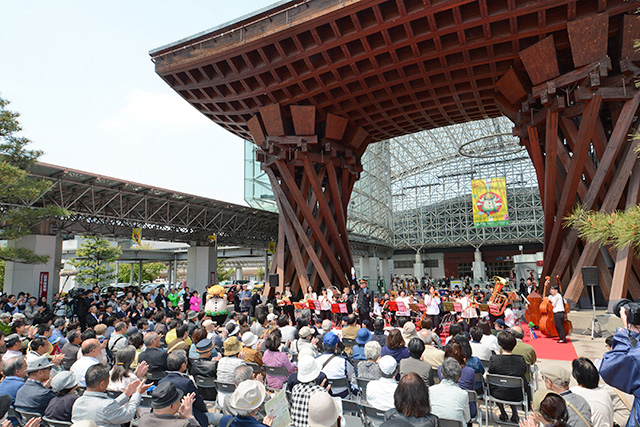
[(489, 202), (136, 236), (272, 247), (212, 238)]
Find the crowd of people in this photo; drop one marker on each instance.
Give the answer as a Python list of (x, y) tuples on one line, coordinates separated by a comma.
[(115, 358)]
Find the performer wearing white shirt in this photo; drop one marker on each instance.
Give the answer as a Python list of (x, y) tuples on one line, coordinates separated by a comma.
[(558, 312)]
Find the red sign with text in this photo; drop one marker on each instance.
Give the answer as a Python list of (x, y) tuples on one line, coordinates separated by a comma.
[(43, 284)]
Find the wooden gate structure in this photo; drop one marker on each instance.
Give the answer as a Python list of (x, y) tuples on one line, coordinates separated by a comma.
[(313, 82)]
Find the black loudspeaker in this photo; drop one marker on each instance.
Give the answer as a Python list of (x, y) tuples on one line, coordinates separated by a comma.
[(590, 276), (273, 280)]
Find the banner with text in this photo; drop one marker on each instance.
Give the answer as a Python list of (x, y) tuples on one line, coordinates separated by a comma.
[(489, 202)]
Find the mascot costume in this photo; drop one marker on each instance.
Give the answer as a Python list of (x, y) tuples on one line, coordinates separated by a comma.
[(216, 305)]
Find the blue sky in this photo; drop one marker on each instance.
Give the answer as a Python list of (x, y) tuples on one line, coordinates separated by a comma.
[(81, 77)]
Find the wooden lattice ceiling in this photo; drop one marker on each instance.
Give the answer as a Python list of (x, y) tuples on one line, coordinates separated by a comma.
[(392, 67)]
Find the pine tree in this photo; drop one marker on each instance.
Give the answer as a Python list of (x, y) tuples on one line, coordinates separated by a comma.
[(93, 260), (18, 190)]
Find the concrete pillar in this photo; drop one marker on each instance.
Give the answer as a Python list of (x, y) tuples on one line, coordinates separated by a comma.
[(117, 270), (365, 268), (31, 277), (139, 274), (202, 267), (386, 271), (238, 273), (175, 270), (170, 273), (478, 266), (418, 267), (132, 265)]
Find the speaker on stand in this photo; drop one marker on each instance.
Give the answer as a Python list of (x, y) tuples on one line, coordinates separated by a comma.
[(591, 278)]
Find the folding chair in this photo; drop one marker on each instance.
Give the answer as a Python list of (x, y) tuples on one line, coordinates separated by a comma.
[(224, 389), (206, 387), (11, 413), (340, 383), (504, 381), (485, 363), (362, 385), (473, 397), (113, 394), (533, 376), (276, 371), (56, 423), (254, 366), (24, 416), (351, 408), (373, 416), (155, 376), (145, 400), (349, 342), (450, 423)]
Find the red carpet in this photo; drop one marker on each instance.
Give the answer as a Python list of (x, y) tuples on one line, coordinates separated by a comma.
[(548, 348)]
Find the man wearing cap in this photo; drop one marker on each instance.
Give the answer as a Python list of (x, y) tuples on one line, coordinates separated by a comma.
[(61, 406), (35, 394), (191, 324), (380, 392), (246, 401), (97, 406), (305, 340), (333, 365), (91, 350), (170, 409), (557, 379), (365, 301), (13, 344), (204, 366), (308, 371), (248, 353), (177, 366), (226, 365)]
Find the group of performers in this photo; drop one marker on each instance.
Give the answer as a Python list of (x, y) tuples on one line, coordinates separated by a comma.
[(443, 306)]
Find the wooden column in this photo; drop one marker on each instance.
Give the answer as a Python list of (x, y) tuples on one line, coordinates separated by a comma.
[(312, 167), (575, 125)]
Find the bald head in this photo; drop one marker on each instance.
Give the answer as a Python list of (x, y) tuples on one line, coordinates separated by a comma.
[(91, 347), (517, 332)]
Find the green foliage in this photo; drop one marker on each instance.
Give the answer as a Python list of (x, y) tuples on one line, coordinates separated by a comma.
[(620, 228), (260, 273), (224, 273), (93, 260), (150, 272), (18, 191)]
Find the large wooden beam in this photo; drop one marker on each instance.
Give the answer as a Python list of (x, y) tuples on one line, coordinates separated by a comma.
[(624, 260)]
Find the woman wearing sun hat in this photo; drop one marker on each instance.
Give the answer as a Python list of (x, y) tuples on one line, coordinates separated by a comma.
[(362, 338), (246, 401), (230, 361)]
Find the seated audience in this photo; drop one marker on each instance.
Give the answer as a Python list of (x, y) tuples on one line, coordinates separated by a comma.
[(171, 408), (273, 357), (525, 350), (369, 369), (380, 392), (91, 350), (71, 348), (488, 339), (250, 354), (246, 401), (549, 409), (323, 410), (411, 403), (13, 343), (230, 360), (122, 374), (154, 356), (587, 377), (432, 355), (478, 349), (512, 365), (176, 368), (33, 396), (378, 332), (240, 374), (362, 338), (395, 346), (64, 385), (350, 331), (557, 380), (414, 363), (308, 372), (334, 365), (15, 373), (426, 330), (97, 406), (448, 400)]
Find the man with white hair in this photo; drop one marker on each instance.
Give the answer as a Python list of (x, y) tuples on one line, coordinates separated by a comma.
[(448, 400)]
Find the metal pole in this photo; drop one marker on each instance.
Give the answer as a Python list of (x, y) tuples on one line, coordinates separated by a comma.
[(131, 275), (117, 270), (139, 273), (266, 265)]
